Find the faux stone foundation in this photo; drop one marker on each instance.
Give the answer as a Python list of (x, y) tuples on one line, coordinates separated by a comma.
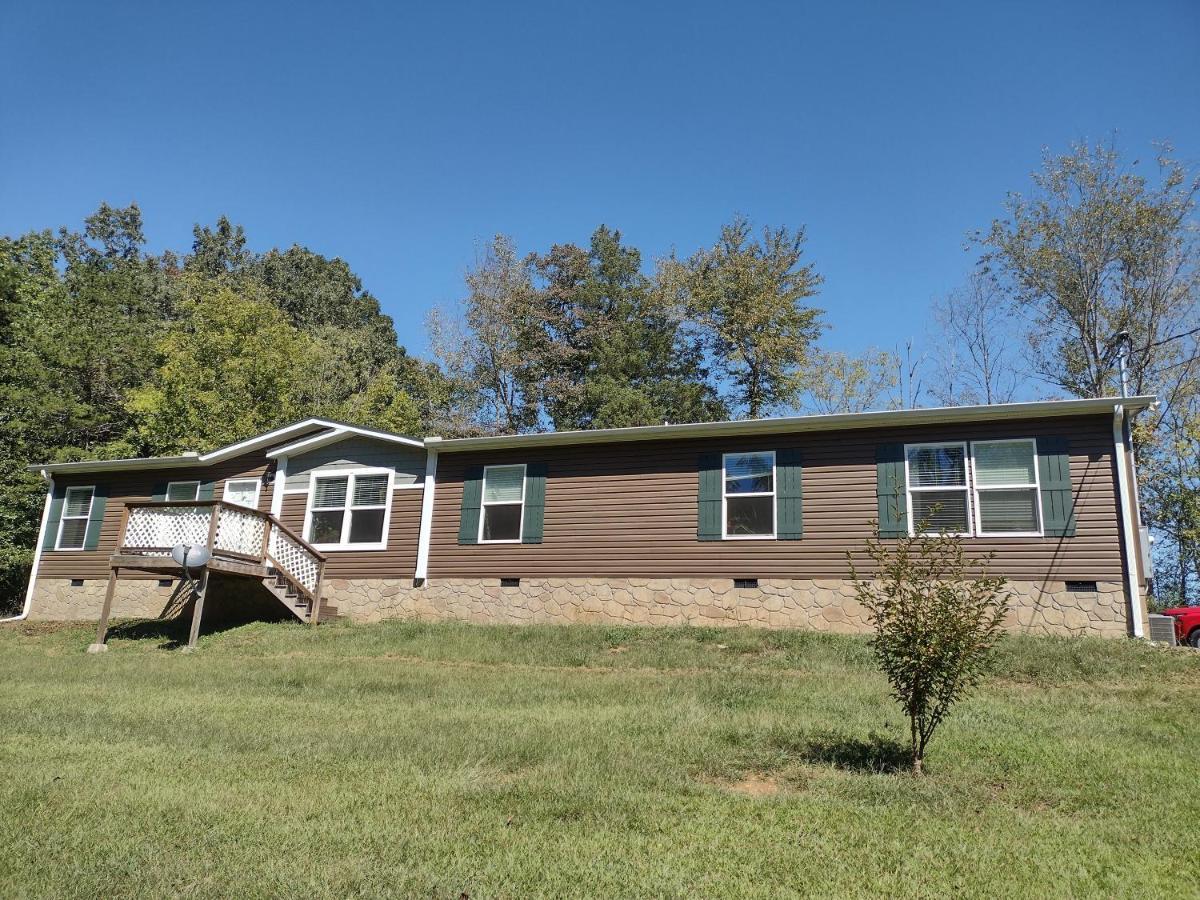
[(818, 605)]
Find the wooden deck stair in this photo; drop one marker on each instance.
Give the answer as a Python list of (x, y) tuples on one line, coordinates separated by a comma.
[(242, 542), (290, 596)]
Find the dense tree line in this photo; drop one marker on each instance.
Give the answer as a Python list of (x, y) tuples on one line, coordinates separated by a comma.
[(109, 351)]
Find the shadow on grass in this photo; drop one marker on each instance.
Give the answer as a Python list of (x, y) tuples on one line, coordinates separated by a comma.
[(876, 754), (170, 633)]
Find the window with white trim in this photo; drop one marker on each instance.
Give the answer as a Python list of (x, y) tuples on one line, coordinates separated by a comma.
[(748, 494), (991, 491), (76, 510), (349, 510), (241, 492), (937, 487), (183, 491), (1007, 493), (503, 506)]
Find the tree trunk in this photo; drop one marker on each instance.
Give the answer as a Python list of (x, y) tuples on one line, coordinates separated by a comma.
[(917, 763)]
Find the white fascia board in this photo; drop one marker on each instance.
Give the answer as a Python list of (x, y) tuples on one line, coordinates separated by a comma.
[(945, 415), (118, 465), (340, 433), (265, 440)]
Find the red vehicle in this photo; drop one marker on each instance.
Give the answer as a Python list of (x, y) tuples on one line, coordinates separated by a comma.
[(1187, 624)]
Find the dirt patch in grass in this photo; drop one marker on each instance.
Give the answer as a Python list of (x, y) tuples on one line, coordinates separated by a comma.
[(753, 784)]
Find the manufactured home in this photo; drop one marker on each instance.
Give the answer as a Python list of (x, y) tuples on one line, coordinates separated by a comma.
[(750, 522)]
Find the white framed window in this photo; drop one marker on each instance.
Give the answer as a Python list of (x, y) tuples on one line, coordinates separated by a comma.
[(748, 495), (76, 510), (349, 510), (502, 511), (938, 493), (241, 492), (183, 491), (1007, 489)]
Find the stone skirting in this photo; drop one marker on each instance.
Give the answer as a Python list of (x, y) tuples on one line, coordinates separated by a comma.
[(819, 605), (57, 600)]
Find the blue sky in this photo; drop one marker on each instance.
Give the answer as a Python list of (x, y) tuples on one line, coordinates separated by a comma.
[(400, 137)]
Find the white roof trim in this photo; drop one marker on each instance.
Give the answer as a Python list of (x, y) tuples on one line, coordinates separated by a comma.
[(337, 431), (119, 465), (340, 433), (932, 416), (265, 440)]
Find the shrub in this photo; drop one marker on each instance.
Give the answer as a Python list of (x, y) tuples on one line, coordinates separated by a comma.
[(937, 617)]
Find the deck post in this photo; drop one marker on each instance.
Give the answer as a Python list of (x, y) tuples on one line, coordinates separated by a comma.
[(316, 610), (198, 608), (102, 628)]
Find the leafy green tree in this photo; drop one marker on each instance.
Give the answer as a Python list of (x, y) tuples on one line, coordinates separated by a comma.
[(615, 353), (836, 382), (1096, 250), (745, 295), (219, 250), (491, 350), (936, 625), (230, 367)]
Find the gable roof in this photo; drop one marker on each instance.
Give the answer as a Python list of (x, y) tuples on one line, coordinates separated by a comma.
[(297, 433), (789, 424), (340, 433)]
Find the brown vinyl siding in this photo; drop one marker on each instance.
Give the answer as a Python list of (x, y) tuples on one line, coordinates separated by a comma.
[(138, 487), (629, 509), (399, 560)]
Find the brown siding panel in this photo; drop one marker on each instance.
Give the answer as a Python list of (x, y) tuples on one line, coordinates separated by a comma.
[(629, 510), (399, 560)]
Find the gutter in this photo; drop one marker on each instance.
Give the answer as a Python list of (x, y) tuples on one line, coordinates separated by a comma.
[(1129, 532), (944, 415), (37, 552)]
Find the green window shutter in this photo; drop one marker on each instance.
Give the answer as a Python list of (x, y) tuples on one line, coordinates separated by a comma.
[(789, 515), (91, 538), (1054, 473), (891, 491), (709, 498), (160, 492), (206, 491), (56, 505), (468, 523), (535, 503)]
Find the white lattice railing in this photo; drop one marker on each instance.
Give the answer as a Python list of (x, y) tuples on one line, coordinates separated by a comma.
[(239, 531), (152, 529), (294, 558)]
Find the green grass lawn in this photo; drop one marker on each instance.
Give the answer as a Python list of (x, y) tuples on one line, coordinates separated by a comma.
[(438, 760)]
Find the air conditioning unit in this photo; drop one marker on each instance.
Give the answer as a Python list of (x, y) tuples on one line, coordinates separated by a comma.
[(1162, 629)]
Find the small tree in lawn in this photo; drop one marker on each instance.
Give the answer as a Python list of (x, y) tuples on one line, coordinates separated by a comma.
[(936, 625)]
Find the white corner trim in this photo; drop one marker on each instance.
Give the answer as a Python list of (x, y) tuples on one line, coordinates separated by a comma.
[(1129, 535), (278, 486), (37, 552), (426, 527)]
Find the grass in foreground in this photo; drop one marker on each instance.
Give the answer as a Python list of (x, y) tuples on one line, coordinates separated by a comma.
[(425, 760)]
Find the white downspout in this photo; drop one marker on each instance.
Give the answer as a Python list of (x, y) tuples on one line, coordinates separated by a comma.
[(37, 552), (422, 570), (1129, 533)]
